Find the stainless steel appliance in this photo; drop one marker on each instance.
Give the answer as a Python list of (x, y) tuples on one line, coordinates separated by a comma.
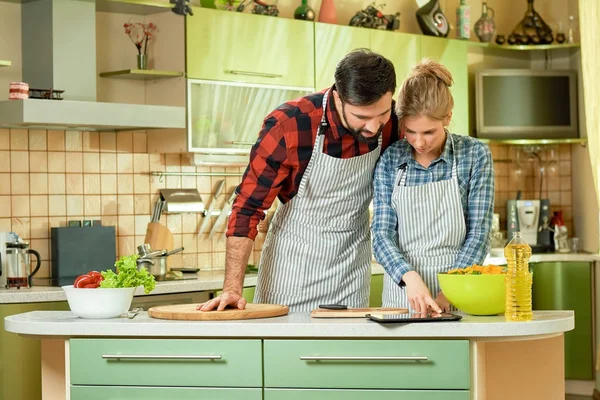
[(5, 237), (532, 219), (18, 264)]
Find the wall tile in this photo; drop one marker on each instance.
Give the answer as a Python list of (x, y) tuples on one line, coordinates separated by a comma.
[(91, 163), (205, 185), (39, 205), (109, 205), (4, 184), (56, 162), (19, 139), (5, 225), (125, 142), (5, 206), (157, 162), (19, 161), (126, 225), (565, 198), (108, 163), (90, 141), (57, 205), (125, 184), (125, 204), (108, 184), (20, 206), (74, 162), (141, 204), (565, 183), (57, 222), (43, 248), (91, 184), (124, 163), (37, 140), (191, 222), (4, 139), (40, 228), (565, 168), (38, 161), (140, 142), (141, 183), (141, 163), (22, 227), (141, 223), (4, 161), (74, 183), (108, 142), (56, 183), (73, 141), (205, 261), (173, 162), (38, 183), (56, 140), (126, 246), (189, 243), (74, 205), (19, 184)]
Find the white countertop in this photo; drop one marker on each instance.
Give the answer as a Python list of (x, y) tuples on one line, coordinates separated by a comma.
[(207, 280), (495, 257), (294, 325)]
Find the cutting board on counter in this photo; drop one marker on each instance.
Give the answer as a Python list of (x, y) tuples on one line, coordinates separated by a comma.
[(188, 312), (355, 312)]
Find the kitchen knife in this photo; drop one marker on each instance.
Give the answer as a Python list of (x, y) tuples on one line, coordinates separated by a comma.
[(224, 213), (208, 215)]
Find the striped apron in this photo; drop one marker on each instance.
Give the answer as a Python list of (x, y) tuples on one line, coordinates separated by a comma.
[(318, 247), (431, 231)]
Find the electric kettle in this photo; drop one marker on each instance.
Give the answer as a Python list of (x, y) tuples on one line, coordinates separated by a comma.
[(18, 267)]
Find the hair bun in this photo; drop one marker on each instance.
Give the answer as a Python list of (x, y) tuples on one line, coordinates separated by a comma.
[(429, 68)]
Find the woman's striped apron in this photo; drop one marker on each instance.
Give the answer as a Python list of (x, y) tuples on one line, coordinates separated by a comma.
[(431, 231), (318, 247)]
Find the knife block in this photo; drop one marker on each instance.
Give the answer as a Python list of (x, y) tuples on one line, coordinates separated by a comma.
[(159, 237)]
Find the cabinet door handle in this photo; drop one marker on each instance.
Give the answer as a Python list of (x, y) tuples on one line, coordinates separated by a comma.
[(243, 143), (252, 73), (366, 358), (156, 357)]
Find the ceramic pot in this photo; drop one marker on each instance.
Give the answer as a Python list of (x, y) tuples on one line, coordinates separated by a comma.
[(327, 12), (485, 27)]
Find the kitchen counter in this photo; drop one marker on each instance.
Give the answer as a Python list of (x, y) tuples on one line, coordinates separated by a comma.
[(296, 325), (298, 357), (496, 257), (206, 280)]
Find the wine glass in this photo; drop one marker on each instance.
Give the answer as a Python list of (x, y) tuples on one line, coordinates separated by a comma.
[(551, 162)]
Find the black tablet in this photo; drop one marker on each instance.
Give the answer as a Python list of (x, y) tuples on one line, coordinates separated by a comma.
[(415, 317)]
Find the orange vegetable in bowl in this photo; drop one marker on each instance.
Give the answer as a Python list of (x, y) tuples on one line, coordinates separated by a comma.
[(478, 270)]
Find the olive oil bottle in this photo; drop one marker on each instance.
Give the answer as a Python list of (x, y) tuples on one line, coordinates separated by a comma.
[(518, 280)]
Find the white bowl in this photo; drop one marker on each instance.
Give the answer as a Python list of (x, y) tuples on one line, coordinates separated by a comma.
[(99, 302)]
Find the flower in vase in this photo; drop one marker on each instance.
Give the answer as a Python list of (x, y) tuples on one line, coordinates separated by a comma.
[(140, 33)]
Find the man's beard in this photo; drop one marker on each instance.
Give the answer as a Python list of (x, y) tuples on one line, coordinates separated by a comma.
[(358, 133)]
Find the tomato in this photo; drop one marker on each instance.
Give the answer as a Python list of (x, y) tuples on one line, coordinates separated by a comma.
[(83, 280), (90, 280)]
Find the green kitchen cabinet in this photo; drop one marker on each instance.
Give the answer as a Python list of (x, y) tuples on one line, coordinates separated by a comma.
[(332, 43), (376, 290), (249, 48), (20, 357), (367, 364), (162, 393), (453, 54), (173, 362), (247, 293), (568, 286), (344, 394), (402, 49)]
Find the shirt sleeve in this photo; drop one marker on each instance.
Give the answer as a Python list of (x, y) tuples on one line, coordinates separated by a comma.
[(261, 182), (480, 206), (384, 222)]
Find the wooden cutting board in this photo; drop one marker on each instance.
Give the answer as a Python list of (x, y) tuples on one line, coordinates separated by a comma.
[(188, 312), (355, 312), (159, 237)]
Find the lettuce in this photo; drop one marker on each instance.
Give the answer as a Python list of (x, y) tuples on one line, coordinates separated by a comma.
[(128, 275)]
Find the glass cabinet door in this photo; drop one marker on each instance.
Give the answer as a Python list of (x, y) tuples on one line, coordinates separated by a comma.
[(226, 117)]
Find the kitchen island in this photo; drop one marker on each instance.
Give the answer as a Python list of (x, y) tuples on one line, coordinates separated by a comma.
[(298, 357)]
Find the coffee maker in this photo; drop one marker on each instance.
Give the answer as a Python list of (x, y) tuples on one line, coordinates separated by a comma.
[(5, 237), (532, 219)]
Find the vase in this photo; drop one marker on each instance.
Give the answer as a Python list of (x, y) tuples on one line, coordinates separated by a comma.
[(485, 27), (463, 20), (304, 12), (327, 12), (142, 61)]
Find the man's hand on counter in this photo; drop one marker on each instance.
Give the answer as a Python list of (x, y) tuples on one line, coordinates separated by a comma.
[(225, 299)]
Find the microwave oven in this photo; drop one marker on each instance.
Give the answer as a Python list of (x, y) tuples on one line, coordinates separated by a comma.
[(526, 104)]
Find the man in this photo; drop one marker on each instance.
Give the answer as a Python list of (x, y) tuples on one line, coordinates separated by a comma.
[(317, 155)]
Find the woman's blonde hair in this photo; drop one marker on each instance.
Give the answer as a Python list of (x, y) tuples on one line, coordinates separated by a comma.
[(426, 92)]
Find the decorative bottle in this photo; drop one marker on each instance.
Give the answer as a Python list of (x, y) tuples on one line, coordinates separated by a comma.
[(327, 12), (518, 280), (463, 20), (304, 11), (485, 27)]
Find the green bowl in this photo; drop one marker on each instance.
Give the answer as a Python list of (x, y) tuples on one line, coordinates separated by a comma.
[(474, 294)]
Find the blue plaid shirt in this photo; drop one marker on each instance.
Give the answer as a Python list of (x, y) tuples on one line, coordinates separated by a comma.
[(476, 181)]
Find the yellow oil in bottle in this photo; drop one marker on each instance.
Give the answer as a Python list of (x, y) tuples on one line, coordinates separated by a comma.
[(518, 280)]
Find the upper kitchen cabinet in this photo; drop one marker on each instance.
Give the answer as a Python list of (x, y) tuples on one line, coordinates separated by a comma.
[(332, 43), (402, 49), (453, 54), (249, 48)]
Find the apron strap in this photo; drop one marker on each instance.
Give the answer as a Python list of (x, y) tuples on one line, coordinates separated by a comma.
[(401, 175)]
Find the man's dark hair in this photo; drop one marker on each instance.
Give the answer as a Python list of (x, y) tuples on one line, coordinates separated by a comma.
[(362, 77)]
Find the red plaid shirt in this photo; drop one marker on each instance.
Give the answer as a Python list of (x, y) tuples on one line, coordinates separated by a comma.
[(279, 157)]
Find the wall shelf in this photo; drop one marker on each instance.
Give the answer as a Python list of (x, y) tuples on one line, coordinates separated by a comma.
[(525, 47), (141, 74), (138, 7), (525, 142), (5, 63)]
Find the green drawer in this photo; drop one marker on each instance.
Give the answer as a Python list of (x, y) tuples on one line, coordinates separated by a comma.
[(344, 394), (161, 393), (367, 364), (166, 362)]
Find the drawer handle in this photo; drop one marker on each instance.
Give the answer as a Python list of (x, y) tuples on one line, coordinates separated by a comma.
[(325, 358), (156, 357), (251, 73)]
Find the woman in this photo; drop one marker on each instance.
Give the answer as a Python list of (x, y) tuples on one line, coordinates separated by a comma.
[(433, 196)]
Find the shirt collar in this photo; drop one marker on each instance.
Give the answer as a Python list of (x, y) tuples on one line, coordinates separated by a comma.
[(406, 152), (335, 121)]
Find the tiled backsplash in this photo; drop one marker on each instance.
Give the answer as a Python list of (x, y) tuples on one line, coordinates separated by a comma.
[(50, 177), (556, 184)]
